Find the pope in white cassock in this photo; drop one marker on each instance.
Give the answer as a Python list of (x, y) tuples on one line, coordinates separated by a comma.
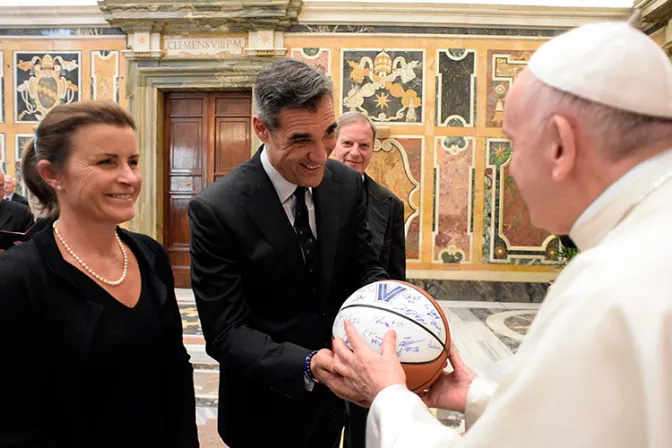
[(590, 121)]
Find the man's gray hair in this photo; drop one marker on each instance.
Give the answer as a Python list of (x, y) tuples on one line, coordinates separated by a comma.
[(288, 84), (619, 134), (354, 117)]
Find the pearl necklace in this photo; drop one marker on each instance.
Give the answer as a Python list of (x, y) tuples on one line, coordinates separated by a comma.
[(87, 268)]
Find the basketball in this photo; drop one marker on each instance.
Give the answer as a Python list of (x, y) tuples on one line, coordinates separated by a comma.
[(423, 336)]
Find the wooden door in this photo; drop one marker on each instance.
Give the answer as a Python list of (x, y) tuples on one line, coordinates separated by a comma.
[(206, 136), (230, 140)]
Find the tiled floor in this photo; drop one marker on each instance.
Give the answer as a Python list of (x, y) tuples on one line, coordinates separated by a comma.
[(487, 334)]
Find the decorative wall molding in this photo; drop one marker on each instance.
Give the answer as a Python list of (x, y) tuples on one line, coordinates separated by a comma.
[(654, 11), (657, 14), (51, 16), (433, 14), (235, 16), (203, 16)]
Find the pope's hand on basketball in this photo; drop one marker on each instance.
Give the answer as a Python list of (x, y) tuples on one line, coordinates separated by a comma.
[(322, 366), (450, 390), (365, 370)]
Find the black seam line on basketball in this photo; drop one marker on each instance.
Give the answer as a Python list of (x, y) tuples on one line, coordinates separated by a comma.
[(425, 383), (400, 315)]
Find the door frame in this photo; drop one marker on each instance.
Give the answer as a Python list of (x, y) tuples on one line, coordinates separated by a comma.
[(147, 82)]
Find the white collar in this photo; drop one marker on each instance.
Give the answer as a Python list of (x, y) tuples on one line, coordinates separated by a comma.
[(606, 211), (283, 187), (614, 190)]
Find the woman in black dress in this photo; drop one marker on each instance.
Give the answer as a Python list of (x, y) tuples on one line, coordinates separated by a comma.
[(91, 335)]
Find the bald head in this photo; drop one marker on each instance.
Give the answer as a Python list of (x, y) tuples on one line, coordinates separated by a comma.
[(571, 149), (10, 185), (615, 134)]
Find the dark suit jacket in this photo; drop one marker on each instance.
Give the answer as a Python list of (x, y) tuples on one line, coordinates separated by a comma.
[(46, 328), (15, 217), (386, 220), (16, 197), (259, 316)]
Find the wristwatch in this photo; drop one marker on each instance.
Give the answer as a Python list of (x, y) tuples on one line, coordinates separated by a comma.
[(308, 377)]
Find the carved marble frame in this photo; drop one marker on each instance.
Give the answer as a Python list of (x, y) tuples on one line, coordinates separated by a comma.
[(148, 82)]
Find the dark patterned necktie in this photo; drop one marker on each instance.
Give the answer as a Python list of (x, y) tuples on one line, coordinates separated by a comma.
[(307, 240)]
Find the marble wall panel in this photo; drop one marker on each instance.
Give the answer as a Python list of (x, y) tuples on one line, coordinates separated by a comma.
[(503, 68), (448, 31), (386, 85), (105, 75), (317, 57), (3, 153), (397, 164), (21, 143), (483, 291), (453, 199), (456, 88), (509, 236), (2, 86), (43, 81)]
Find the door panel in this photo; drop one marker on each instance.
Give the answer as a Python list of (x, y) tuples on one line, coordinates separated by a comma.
[(206, 136), (182, 105), (232, 140), (186, 144), (233, 106)]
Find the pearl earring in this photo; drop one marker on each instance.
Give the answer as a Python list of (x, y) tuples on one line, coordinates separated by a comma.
[(59, 188)]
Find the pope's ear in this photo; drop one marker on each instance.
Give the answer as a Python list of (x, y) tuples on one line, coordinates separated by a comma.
[(564, 148)]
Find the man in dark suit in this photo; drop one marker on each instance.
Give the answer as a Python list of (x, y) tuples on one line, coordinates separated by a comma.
[(277, 245), (355, 137), (14, 217), (11, 194)]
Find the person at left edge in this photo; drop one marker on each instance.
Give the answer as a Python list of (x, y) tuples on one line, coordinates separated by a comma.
[(11, 193), (277, 245), (14, 217), (90, 331)]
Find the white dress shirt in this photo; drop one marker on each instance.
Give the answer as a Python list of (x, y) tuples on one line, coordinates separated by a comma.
[(285, 190)]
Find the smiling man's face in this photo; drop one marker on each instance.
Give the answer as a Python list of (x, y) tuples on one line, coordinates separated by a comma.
[(300, 146)]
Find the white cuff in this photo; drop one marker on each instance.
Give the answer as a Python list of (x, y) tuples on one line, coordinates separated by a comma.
[(308, 384), (478, 397), (399, 419)]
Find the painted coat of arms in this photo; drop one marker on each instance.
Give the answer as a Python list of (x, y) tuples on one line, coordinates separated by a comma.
[(385, 85), (44, 81)]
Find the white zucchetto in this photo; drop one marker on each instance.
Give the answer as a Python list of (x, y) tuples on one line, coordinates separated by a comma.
[(610, 63)]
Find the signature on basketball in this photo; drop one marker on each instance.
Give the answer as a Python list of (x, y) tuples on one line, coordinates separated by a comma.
[(409, 345), (429, 317), (406, 345), (340, 320), (411, 296), (373, 337), (359, 297), (380, 320), (433, 345)]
